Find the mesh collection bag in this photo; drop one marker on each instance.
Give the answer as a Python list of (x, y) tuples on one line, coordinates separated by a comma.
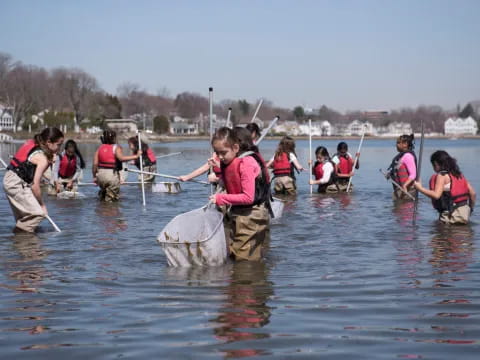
[(277, 209), (196, 237), (70, 195), (166, 187)]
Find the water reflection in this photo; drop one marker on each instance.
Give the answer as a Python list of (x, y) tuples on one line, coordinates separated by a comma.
[(28, 271), (245, 309), (452, 250), (111, 218)]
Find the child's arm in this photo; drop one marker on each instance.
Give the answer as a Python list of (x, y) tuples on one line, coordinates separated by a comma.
[(327, 173), (297, 165), (409, 162), (119, 155), (269, 163), (472, 194), (197, 172), (95, 166), (437, 192)]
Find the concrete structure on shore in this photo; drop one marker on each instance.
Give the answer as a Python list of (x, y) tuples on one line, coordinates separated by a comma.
[(459, 126), (122, 125)]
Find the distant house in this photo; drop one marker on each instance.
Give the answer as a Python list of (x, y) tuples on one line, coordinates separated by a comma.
[(287, 127), (356, 128), (319, 128), (460, 126), (122, 125), (182, 128), (6, 119), (393, 129)]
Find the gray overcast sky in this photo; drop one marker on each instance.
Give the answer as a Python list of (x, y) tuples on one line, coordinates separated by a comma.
[(348, 55)]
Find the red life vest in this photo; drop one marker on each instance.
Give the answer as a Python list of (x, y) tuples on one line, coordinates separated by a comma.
[(318, 171), (457, 196), (67, 166), (345, 164), (398, 170), (148, 158), (22, 154), (20, 164), (232, 179), (282, 165), (106, 156)]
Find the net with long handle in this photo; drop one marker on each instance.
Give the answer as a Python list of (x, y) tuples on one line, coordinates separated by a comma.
[(196, 237), (277, 209)]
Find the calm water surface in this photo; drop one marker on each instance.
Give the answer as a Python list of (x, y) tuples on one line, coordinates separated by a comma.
[(345, 277)]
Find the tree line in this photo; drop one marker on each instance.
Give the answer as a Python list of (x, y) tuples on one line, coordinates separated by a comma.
[(69, 95)]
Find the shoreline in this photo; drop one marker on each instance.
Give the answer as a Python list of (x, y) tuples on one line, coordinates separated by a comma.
[(122, 138)]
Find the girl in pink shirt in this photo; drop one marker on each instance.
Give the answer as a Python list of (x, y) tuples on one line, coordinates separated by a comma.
[(403, 169), (245, 179)]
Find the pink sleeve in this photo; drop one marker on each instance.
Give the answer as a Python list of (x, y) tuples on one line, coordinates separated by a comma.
[(409, 161), (249, 170)]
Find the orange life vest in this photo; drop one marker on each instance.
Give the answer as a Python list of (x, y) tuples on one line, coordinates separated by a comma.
[(67, 166), (457, 196)]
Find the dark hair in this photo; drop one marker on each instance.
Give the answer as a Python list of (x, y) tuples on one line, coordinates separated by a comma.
[(342, 146), (134, 141), (446, 163), (51, 134), (322, 150), (286, 145), (244, 137), (225, 134), (108, 137), (253, 128), (409, 139), (73, 144)]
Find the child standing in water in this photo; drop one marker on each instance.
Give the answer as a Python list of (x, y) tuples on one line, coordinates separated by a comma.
[(107, 162), (148, 158), (245, 178), (67, 168), (452, 195), (21, 182), (283, 163), (403, 169), (343, 162), (324, 172)]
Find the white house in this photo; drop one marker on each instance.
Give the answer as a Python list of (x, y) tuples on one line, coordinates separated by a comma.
[(393, 129), (183, 128), (287, 127), (460, 126), (6, 118), (319, 128), (356, 128)]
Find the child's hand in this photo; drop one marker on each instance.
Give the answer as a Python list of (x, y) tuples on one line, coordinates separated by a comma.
[(212, 178), (311, 182), (139, 153), (183, 178), (213, 199), (213, 162), (417, 185), (310, 162), (357, 155)]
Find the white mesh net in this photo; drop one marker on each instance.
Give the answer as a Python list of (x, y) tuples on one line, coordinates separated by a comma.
[(195, 238)]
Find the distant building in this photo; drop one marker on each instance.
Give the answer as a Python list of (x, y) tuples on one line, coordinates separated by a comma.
[(122, 125), (287, 127), (6, 119), (182, 128), (319, 128), (460, 126), (357, 128)]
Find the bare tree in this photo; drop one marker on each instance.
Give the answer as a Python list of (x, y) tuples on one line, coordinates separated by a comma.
[(79, 88)]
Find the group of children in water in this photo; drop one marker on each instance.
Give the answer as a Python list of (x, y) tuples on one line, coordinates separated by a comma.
[(244, 183)]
